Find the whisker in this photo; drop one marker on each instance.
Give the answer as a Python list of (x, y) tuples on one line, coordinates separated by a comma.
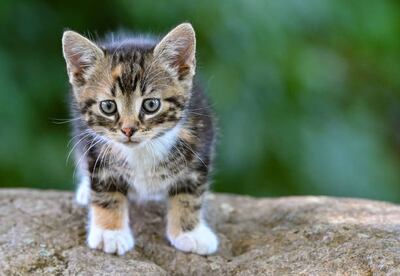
[(199, 114), (63, 121), (97, 159), (92, 145), (189, 148), (76, 136), (77, 143)]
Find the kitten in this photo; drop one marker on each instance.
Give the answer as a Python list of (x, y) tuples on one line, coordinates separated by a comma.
[(140, 124)]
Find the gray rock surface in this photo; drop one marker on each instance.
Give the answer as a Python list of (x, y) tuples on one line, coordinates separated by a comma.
[(43, 233)]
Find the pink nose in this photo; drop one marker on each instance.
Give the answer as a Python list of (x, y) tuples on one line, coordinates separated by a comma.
[(128, 131)]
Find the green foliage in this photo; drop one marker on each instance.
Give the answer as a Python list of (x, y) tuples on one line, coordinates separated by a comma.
[(307, 92)]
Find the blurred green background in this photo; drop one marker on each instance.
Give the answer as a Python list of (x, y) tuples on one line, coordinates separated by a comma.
[(307, 92)]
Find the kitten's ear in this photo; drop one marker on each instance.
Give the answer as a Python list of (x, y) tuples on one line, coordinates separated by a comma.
[(177, 50), (80, 55)]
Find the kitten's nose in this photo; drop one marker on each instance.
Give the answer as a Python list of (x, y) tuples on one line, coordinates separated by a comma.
[(128, 131)]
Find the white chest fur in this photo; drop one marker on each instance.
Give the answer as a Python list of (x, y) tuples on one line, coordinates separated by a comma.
[(142, 163)]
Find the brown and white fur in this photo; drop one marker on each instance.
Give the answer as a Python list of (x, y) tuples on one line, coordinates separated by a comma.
[(165, 154)]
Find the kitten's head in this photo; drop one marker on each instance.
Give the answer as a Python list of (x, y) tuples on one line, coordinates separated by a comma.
[(131, 91)]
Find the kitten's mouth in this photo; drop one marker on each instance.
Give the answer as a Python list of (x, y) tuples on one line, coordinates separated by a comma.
[(131, 142)]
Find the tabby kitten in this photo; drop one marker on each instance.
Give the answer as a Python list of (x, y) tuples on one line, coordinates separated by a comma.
[(140, 125)]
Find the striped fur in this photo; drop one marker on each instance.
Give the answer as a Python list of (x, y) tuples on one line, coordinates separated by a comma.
[(170, 152)]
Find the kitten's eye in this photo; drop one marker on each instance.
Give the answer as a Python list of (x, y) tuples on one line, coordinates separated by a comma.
[(108, 107), (151, 105)]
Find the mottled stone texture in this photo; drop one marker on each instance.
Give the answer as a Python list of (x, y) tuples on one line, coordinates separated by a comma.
[(43, 232)]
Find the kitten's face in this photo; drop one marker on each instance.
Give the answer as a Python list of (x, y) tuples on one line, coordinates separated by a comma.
[(129, 103), (130, 95)]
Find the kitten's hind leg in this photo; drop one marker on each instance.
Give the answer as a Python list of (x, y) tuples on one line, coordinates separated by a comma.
[(82, 195)]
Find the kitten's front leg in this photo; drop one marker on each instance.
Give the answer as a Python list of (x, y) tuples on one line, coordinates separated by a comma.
[(109, 220), (82, 195), (186, 229)]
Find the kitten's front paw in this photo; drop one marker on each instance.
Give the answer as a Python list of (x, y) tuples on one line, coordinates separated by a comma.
[(111, 241), (200, 240)]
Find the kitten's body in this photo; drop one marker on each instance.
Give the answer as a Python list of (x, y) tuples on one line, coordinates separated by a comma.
[(151, 169), (169, 153)]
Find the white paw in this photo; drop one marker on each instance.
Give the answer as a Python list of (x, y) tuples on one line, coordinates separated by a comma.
[(111, 241), (82, 196), (200, 240)]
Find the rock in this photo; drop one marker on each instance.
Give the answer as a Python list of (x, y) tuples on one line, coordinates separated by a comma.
[(43, 232)]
